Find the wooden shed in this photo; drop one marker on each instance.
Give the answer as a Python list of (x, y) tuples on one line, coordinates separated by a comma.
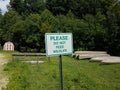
[(8, 46)]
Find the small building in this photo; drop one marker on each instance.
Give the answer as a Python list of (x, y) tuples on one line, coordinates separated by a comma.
[(8, 46)]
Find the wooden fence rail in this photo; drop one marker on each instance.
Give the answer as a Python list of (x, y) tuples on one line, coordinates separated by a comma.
[(30, 57)]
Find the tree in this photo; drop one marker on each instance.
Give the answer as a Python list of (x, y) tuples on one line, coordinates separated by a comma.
[(9, 19), (28, 33), (33, 32), (18, 6), (113, 28), (1, 40), (49, 22), (75, 26), (95, 24), (17, 31), (57, 6), (35, 6), (78, 7), (27, 6), (0, 13), (0, 16)]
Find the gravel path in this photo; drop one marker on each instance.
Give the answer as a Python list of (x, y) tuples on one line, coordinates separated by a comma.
[(3, 77)]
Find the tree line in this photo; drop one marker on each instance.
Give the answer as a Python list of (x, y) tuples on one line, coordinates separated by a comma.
[(95, 24)]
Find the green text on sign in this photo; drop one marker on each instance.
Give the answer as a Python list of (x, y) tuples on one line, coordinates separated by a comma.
[(58, 43)]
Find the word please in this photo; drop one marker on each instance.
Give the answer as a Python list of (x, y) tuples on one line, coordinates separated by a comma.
[(58, 37)]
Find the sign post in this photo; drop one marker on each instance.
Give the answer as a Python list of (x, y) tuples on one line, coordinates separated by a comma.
[(58, 44), (60, 69)]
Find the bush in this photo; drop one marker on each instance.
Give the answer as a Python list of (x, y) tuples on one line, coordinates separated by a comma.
[(0, 47)]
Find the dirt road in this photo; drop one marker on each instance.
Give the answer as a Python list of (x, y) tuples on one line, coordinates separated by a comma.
[(3, 76)]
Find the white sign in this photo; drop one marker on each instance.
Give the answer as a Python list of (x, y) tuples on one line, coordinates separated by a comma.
[(58, 43)]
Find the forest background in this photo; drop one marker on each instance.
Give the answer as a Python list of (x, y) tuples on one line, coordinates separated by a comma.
[(95, 24)]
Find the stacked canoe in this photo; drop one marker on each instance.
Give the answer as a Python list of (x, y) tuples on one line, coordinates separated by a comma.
[(107, 60), (96, 56)]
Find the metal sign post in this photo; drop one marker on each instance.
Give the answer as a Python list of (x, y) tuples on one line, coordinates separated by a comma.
[(60, 69)]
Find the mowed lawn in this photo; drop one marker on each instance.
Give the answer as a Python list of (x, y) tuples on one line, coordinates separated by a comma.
[(77, 75)]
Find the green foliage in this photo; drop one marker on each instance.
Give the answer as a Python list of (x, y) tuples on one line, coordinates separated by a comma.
[(57, 7), (27, 6), (0, 47), (113, 29), (70, 15), (95, 24), (19, 76), (95, 32), (77, 75), (34, 6), (17, 31), (49, 22), (0, 14), (32, 31), (9, 19)]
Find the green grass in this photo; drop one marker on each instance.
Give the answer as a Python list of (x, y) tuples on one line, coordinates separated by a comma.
[(77, 75), (4, 75), (7, 54)]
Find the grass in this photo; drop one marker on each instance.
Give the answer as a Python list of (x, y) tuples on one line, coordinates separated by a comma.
[(77, 75), (7, 54), (3, 75)]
